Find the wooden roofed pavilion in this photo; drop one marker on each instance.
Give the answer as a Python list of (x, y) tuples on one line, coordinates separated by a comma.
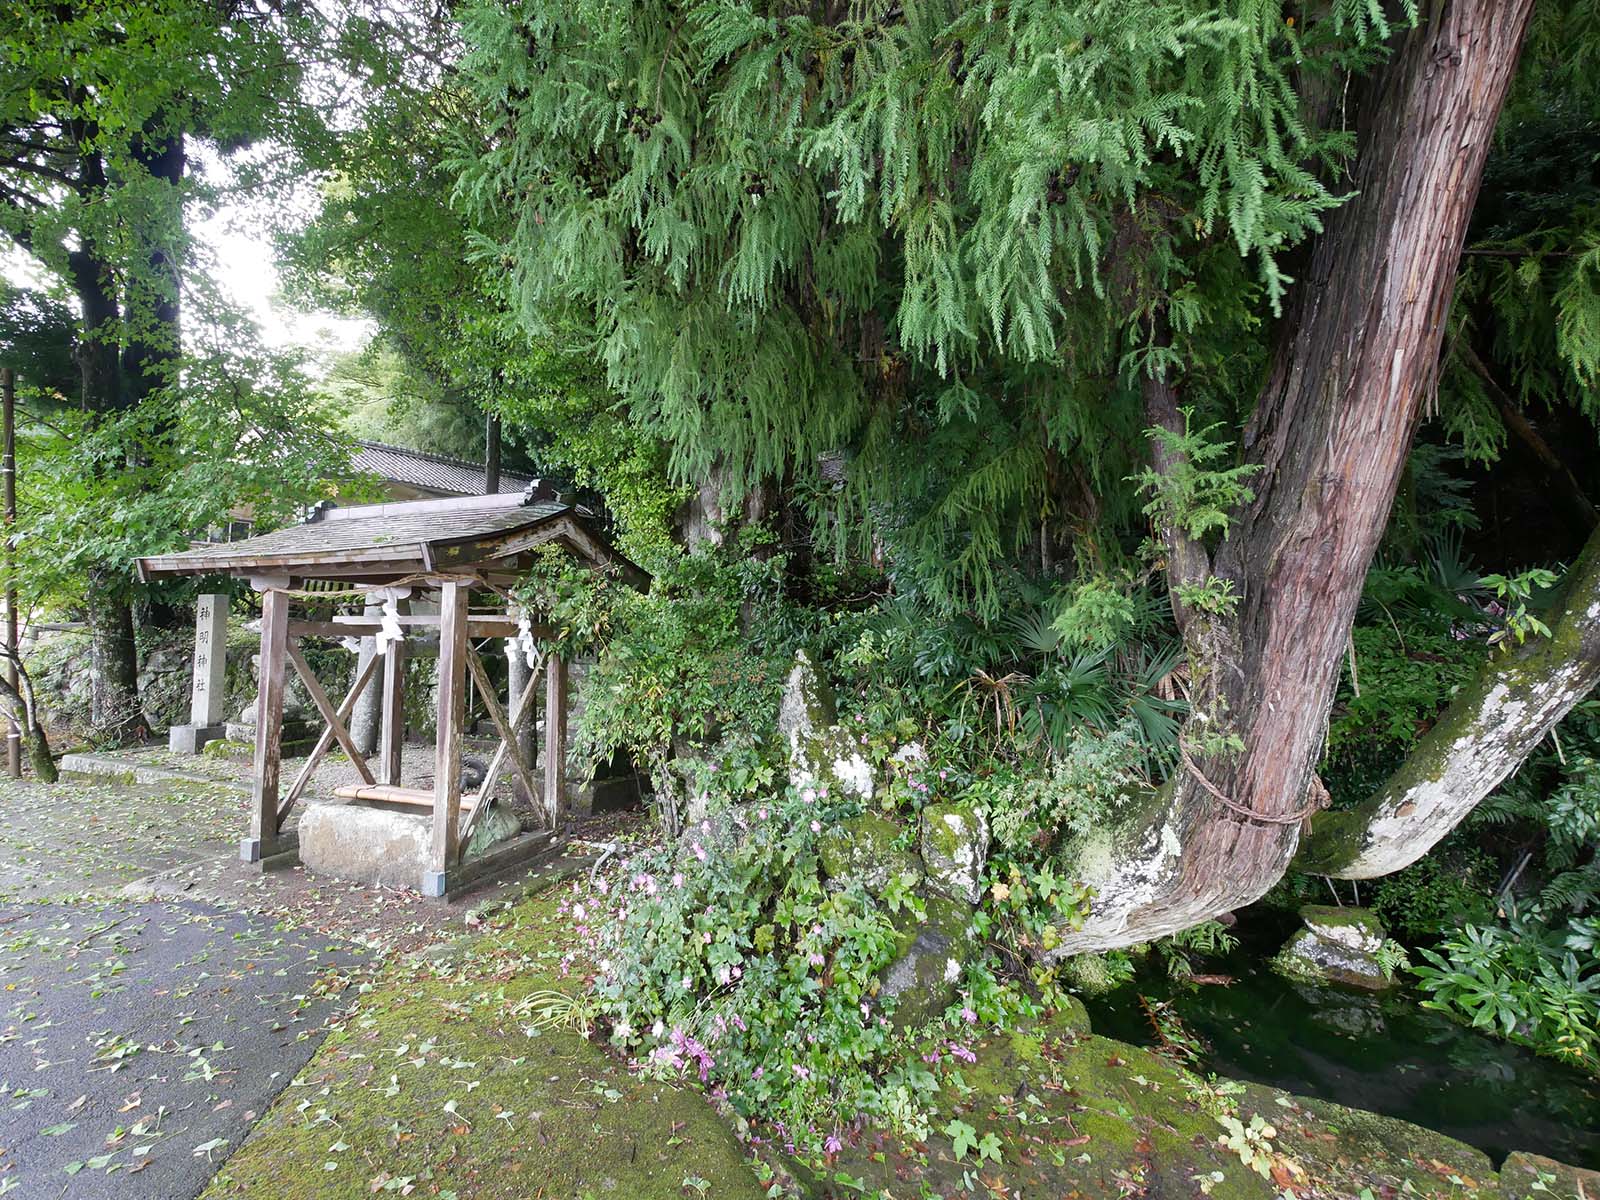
[(463, 550)]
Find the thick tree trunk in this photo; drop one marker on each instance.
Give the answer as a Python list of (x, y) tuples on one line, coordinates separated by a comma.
[(1490, 728), (1360, 346), (150, 309), (114, 710)]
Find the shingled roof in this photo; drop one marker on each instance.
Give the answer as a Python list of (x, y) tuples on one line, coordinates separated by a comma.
[(489, 535), (430, 472)]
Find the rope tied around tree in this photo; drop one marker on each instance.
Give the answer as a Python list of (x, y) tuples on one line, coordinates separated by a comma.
[(1319, 796)]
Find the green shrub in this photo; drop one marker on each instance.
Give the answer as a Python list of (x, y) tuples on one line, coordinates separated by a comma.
[(1532, 984), (728, 958), (1439, 893)]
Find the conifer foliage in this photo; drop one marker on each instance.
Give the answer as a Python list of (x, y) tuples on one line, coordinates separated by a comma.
[(794, 229)]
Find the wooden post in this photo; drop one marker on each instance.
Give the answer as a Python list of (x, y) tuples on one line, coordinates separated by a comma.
[(555, 738), (263, 840), (447, 747), (393, 728)]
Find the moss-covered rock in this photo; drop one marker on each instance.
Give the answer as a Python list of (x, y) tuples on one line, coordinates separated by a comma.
[(955, 844), (1338, 945), (1533, 1177), (927, 965), (822, 754), (867, 849), (1078, 1115)]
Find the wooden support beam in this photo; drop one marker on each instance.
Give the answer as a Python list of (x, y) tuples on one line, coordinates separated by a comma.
[(325, 707), (508, 736), (263, 840), (324, 741), (555, 738), (392, 718), (447, 747)]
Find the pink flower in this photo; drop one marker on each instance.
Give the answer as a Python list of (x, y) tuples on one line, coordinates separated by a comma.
[(706, 937), (762, 813), (962, 1053), (816, 827), (970, 1017), (816, 959), (758, 1073), (677, 879), (802, 1072), (832, 1144), (699, 851)]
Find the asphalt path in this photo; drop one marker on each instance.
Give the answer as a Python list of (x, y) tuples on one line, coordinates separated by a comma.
[(139, 1041)]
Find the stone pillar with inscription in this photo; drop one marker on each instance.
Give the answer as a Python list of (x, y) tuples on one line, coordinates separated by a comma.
[(208, 697)]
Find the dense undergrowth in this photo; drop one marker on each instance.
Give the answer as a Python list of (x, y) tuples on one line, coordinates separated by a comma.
[(731, 955)]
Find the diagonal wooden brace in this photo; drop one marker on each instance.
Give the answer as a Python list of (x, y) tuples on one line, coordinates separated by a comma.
[(519, 715), (508, 740), (325, 739), (335, 723)]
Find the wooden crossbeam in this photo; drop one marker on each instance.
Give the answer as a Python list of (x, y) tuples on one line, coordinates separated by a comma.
[(325, 707), (478, 625), (325, 740), (384, 794), (508, 736)]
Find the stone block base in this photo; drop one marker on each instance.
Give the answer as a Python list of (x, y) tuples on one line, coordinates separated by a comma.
[(366, 845), (188, 739), (377, 845)]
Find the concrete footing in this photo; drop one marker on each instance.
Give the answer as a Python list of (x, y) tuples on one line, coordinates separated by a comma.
[(189, 739)]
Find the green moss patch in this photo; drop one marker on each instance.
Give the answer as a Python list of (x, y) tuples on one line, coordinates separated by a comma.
[(440, 1084)]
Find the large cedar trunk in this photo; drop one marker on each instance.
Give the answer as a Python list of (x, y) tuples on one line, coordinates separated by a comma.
[(1491, 726), (1357, 354), (114, 711), (150, 357)]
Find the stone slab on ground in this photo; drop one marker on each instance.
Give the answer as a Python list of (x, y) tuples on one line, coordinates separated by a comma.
[(174, 1023)]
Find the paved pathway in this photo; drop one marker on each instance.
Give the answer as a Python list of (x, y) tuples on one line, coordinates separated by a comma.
[(155, 993), (139, 1041)]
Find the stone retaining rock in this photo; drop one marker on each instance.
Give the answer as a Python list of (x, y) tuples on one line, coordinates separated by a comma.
[(924, 974), (1526, 1176), (1338, 945), (955, 845), (823, 755), (866, 850)]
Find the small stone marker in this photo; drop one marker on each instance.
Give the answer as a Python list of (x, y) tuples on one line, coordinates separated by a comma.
[(209, 693)]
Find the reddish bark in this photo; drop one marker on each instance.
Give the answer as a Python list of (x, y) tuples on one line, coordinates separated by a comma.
[(1357, 355)]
